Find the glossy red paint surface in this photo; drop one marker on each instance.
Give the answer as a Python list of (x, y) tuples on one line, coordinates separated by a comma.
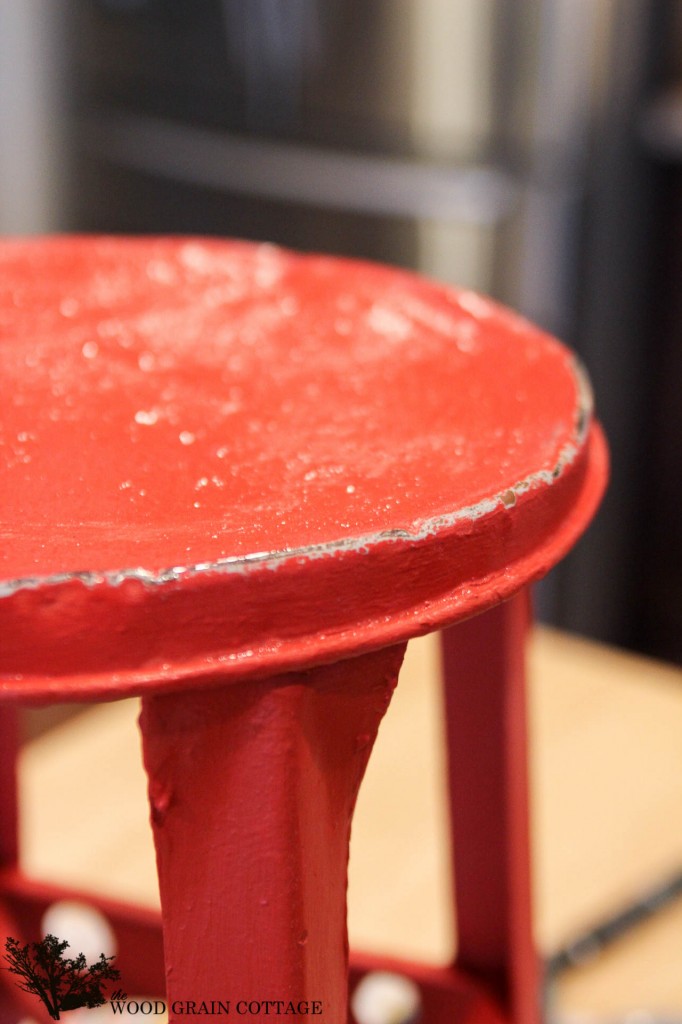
[(220, 459)]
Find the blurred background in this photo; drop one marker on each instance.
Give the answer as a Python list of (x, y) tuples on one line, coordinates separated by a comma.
[(529, 150)]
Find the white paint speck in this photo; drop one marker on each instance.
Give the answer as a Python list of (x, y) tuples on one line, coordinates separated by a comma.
[(229, 408), (146, 362), (350, 489), (147, 417), (90, 349), (389, 323), (267, 273), (186, 437), (475, 304)]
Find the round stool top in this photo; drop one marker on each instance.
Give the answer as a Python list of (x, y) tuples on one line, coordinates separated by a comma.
[(223, 459)]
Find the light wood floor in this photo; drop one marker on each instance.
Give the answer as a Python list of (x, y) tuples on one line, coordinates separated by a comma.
[(607, 806)]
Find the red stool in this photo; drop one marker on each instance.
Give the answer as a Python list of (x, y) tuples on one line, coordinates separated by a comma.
[(236, 481)]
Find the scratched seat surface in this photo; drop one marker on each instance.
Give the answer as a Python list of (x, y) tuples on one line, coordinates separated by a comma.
[(220, 458)]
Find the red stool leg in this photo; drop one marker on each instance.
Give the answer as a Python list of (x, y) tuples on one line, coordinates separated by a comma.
[(252, 788), (487, 750), (15, 1004), (9, 751)]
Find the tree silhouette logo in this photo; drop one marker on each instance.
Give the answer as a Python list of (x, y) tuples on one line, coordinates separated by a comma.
[(61, 982)]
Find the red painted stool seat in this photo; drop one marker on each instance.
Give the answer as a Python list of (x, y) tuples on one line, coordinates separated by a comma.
[(222, 463)]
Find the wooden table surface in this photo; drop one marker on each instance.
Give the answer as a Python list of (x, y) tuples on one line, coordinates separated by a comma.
[(607, 803)]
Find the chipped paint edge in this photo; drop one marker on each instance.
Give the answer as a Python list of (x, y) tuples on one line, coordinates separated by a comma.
[(274, 559)]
